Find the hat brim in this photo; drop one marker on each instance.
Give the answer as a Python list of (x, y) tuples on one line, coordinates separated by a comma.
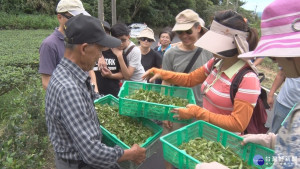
[(77, 12), (146, 36), (109, 41), (218, 44), (276, 46), (183, 26)]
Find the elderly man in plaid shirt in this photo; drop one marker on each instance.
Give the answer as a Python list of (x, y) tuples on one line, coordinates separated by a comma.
[(72, 122)]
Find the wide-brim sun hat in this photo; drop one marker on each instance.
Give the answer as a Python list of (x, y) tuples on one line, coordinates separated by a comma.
[(223, 41), (280, 30), (147, 33), (186, 19)]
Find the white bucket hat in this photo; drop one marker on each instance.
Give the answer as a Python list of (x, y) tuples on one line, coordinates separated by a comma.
[(147, 33)]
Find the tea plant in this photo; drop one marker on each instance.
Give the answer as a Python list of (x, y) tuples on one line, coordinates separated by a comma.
[(127, 129), (210, 151), (155, 97)]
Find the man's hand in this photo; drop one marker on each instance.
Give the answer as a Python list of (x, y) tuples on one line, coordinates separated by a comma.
[(105, 72), (168, 124), (101, 63), (139, 154), (117, 52)]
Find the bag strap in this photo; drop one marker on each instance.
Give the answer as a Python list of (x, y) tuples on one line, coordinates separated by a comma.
[(236, 82), (193, 60), (126, 53)]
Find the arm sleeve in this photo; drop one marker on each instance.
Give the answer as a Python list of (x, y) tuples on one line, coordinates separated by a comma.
[(182, 79), (85, 132), (237, 121)]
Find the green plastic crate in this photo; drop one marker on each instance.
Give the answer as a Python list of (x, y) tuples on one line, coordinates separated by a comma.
[(181, 160), (111, 140), (138, 108)]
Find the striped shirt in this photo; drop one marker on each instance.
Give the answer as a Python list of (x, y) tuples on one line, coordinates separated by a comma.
[(72, 122), (216, 87)]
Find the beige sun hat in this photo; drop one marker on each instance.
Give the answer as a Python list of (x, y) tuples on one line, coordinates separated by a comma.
[(147, 33), (186, 19), (74, 7)]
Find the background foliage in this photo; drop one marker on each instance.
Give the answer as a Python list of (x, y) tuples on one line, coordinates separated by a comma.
[(155, 13)]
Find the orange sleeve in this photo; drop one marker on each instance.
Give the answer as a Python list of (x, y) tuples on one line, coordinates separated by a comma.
[(182, 79), (237, 121)]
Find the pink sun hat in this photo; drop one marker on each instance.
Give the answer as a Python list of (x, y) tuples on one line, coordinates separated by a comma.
[(280, 29)]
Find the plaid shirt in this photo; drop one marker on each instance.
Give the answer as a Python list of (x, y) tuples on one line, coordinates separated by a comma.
[(72, 122)]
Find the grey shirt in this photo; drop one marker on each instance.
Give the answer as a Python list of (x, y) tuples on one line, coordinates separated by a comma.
[(134, 60), (51, 51), (177, 60)]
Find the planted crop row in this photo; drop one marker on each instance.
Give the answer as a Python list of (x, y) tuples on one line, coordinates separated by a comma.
[(19, 53)]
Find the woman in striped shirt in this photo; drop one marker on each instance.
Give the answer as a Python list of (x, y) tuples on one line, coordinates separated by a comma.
[(229, 36)]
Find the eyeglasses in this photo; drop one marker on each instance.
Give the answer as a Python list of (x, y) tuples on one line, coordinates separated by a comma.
[(148, 39), (66, 16), (189, 32)]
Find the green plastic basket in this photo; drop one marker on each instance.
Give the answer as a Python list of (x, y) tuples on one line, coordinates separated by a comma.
[(181, 160), (138, 108), (111, 140)]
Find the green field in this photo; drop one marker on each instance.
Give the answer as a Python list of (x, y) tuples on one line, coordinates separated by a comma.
[(23, 133)]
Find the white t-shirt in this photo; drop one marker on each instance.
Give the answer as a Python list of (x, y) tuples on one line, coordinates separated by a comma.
[(134, 60)]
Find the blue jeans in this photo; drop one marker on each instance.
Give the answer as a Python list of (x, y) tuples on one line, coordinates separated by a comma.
[(280, 112)]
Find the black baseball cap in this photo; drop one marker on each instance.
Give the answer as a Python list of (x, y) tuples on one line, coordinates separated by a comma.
[(87, 29)]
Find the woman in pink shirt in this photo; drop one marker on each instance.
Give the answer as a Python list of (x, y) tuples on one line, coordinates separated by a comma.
[(229, 36)]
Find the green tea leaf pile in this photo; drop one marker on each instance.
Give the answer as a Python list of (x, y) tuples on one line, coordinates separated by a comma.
[(155, 97), (209, 151), (127, 129)]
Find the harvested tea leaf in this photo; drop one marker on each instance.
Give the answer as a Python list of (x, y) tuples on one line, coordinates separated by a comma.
[(127, 129), (209, 151), (155, 97)]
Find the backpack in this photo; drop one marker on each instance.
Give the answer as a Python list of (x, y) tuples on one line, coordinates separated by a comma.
[(259, 116)]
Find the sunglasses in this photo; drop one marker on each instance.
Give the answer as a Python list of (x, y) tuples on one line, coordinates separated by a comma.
[(66, 16), (189, 32), (148, 39)]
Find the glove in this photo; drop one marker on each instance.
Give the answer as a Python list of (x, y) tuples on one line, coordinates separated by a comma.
[(191, 111), (267, 140), (212, 165), (152, 74)]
